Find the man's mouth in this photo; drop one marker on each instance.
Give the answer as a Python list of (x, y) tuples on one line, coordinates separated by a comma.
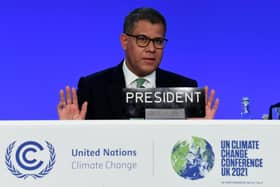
[(149, 60)]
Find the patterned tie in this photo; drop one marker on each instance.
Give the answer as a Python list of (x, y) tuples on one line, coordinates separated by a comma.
[(140, 82)]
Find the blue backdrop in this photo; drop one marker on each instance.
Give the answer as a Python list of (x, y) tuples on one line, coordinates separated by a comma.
[(232, 46)]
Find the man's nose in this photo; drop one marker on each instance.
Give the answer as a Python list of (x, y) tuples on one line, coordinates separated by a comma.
[(151, 47)]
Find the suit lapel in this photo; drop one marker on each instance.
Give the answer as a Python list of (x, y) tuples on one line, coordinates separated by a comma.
[(161, 80)]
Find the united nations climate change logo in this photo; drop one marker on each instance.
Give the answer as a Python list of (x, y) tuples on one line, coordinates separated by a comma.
[(30, 159), (192, 159)]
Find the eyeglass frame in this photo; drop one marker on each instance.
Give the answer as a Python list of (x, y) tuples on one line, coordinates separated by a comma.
[(149, 40)]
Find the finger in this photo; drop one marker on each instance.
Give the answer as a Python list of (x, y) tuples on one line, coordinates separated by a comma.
[(60, 106), (74, 95), (206, 93), (84, 110), (215, 107), (61, 103), (68, 95), (212, 94), (61, 96)]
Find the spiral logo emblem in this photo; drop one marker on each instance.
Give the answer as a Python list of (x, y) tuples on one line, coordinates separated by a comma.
[(24, 161)]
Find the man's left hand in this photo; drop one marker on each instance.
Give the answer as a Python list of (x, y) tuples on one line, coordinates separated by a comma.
[(210, 108)]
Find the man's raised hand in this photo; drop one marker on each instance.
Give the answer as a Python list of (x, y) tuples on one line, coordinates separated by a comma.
[(68, 107)]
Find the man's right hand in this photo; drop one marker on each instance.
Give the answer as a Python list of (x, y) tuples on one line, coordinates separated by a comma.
[(69, 109)]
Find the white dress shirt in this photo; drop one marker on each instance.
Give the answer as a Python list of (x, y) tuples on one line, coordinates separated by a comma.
[(130, 78)]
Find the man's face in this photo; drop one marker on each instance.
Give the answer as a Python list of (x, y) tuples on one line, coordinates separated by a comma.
[(143, 60)]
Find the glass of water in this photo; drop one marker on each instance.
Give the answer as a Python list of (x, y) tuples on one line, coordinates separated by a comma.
[(276, 113)]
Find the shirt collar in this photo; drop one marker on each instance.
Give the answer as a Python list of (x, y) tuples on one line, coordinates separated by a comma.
[(130, 77)]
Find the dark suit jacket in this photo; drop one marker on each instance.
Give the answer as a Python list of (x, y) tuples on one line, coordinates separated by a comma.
[(103, 91)]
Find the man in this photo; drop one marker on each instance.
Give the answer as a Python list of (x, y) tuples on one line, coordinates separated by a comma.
[(100, 95)]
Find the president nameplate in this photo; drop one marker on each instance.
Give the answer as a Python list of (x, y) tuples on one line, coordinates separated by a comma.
[(191, 100)]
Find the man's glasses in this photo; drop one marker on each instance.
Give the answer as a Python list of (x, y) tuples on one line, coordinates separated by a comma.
[(144, 41)]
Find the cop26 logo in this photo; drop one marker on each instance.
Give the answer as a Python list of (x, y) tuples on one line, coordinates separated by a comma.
[(30, 159)]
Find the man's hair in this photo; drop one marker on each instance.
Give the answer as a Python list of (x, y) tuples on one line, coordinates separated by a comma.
[(148, 14)]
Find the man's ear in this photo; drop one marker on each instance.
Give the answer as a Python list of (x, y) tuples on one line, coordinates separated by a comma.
[(123, 40)]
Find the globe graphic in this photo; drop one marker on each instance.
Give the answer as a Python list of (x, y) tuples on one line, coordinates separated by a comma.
[(192, 159)]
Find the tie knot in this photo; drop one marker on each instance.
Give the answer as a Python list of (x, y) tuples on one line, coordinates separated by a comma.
[(140, 82)]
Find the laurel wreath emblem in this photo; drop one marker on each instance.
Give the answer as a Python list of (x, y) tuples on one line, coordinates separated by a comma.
[(41, 174)]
